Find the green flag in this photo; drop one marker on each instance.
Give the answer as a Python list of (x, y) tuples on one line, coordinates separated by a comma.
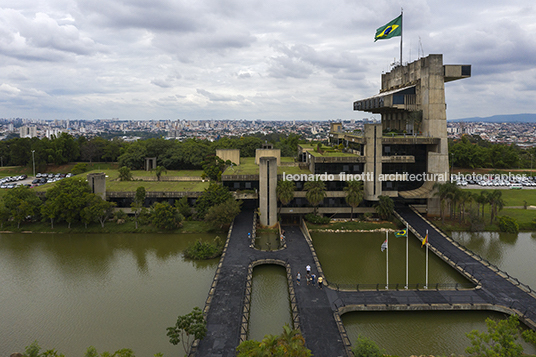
[(402, 233), (392, 29)]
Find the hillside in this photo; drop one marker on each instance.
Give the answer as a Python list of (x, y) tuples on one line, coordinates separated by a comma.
[(506, 118)]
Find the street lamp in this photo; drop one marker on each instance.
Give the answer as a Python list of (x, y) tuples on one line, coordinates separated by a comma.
[(33, 159)]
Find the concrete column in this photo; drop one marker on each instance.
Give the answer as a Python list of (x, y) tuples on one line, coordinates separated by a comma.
[(373, 162), (267, 191), (97, 182)]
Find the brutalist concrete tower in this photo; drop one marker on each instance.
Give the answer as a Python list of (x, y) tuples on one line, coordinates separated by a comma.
[(413, 131), (267, 190), (97, 182)]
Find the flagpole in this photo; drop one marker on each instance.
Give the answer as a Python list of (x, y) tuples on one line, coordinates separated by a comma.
[(401, 32), (387, 259), (407, 264), (426, 286)]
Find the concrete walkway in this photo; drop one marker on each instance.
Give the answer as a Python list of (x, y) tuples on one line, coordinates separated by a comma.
[(317, 322), (319, 310)]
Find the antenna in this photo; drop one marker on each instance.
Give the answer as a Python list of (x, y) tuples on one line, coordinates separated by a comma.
[(420, 49)]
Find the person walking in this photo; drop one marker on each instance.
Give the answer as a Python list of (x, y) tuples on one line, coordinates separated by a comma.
[(308, 269), (298, 278), (313, 279), (320, 282)]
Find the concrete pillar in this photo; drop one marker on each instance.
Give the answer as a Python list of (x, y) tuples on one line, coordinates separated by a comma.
[(267, 191), (373, 162), (97, 182)]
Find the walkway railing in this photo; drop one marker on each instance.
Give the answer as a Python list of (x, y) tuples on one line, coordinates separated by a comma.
[(477, 257), (398, 287), (246, 311)]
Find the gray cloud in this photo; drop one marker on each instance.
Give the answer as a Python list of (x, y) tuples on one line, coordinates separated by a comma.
[(271, 60)]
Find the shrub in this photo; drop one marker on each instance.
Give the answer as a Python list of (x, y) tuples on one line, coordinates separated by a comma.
[(367, 348), (79, 168), (508, 224), (313, 218), (202, 250)]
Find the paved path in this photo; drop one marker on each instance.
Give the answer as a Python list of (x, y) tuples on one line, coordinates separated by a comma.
[(318, 309), (224, 317)]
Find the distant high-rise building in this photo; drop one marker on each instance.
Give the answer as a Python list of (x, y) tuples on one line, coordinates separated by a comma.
[(27, 131)]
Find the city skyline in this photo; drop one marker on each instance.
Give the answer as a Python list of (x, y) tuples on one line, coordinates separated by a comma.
[(269, 61)]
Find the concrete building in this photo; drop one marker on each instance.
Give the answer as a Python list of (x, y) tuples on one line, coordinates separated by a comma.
[(407, 153), (27, 131)]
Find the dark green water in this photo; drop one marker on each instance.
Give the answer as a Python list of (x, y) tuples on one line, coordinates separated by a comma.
[(270, 304), (116, 291), (513, 253), (267, 241), (356, 258), (439, 333), (351, 258)]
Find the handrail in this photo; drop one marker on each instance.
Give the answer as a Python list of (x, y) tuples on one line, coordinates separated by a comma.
[(477, 257)]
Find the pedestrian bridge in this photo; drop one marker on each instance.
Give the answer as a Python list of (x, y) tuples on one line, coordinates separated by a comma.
[(317, 312)]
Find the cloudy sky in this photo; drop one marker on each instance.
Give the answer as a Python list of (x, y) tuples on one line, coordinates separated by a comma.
[(252, 59)]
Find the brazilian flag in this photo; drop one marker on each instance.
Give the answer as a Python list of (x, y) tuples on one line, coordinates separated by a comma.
[(402, 233), (392, 29)]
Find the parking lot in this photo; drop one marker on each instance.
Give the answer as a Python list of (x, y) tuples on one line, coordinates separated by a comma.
[(525, 183), (23, 180)]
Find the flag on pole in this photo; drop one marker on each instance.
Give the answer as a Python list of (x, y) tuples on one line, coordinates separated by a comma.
[(425, 240), (392, 29), (384, 245), (401, 233)]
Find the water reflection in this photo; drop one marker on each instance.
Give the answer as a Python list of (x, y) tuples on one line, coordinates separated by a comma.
[(267, 241), (426, 333), (513, 253), (110, 291), (356, 258), (270, 304)]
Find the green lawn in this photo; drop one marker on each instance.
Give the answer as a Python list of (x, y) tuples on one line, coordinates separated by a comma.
[(141, 174), (523, 217), (514, 197), (247, 167), (355, 225)]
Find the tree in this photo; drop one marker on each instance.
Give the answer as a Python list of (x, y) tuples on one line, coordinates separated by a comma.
[(354, 195), (137, 204), (159, 171), (496, 202), (214, 167), (212, 196), (21, 202), (125, 174), (67, 198), (165, 216), (384, 207), (499, 341), (224, 213), (4, 213), (285, 192), (183, 206), (316, 191), (289, 343), (133, 155), (192, 325), (97, 210), (366, 348)]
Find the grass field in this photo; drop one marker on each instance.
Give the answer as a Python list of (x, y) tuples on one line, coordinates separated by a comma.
[(524, 218), (514, 197), (351, 226), (142, 174)]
